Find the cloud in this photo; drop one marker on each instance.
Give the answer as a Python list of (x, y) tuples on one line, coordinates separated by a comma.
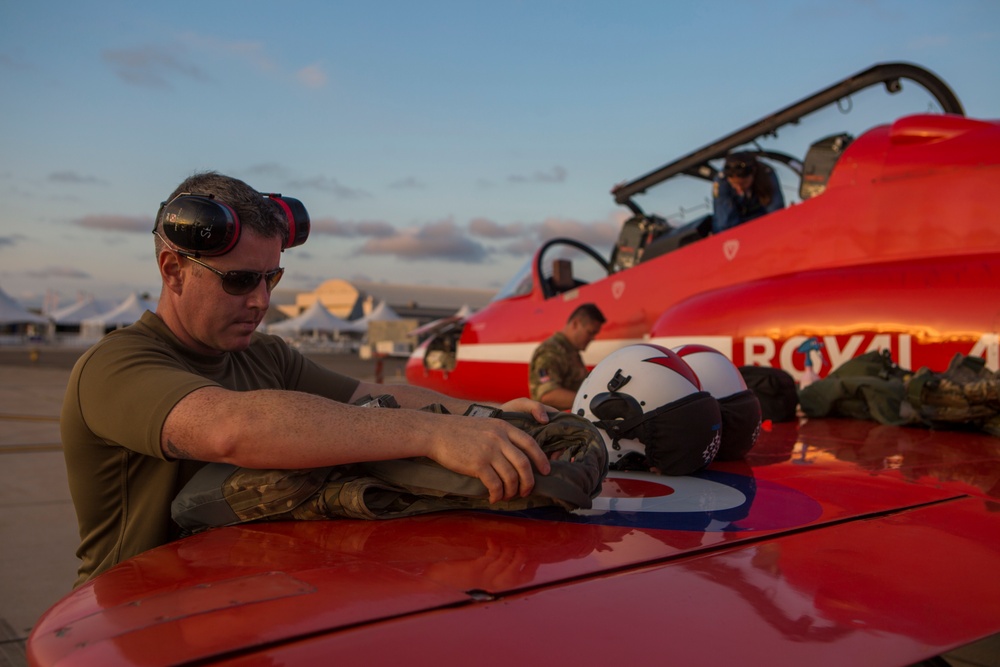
[(250, 52), (155, 66), (256, 56), (73, 177), (363, 228), (492, 230), (437, 240), (556, 175), (311, 76), (330, 185), (151, 66), (10, 240), (445, 240), (8, 62), (407, 184), (933, 42), (115, 223), (599, 234), (272, 169), (57, 272), (523, 247)]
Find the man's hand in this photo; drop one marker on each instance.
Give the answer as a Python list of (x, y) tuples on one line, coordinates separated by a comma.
[(534, 408), (500, 455)]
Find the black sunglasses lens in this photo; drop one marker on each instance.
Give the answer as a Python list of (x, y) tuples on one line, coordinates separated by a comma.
[(238, 283)]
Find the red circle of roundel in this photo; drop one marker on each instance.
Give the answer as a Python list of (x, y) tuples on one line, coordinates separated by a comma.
[(624, 487)]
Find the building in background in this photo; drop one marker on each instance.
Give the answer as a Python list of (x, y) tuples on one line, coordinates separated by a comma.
[(388, 314), (351, 300)]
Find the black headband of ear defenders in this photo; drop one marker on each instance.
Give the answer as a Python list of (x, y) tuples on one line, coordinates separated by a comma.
[(680, 437), (740, 425), (201, 225)]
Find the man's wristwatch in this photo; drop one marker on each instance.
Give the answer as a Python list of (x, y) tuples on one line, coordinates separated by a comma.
[(480, 410)]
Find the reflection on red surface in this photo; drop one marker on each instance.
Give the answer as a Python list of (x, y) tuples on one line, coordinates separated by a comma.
[(901, 539), (931, 580), (969, 462), (634, 488)]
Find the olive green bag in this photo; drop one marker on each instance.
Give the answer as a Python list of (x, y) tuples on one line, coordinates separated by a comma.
[(222, 494)]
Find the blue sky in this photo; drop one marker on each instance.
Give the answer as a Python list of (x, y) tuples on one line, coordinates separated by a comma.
[(433, 142)]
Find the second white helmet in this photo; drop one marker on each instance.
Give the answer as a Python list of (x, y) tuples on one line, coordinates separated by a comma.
[(741, 415)]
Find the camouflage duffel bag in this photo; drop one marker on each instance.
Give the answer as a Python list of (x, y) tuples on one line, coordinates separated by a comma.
[(222, 494)]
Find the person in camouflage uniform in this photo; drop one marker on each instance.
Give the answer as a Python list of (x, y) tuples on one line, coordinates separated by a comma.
[(557, 369)]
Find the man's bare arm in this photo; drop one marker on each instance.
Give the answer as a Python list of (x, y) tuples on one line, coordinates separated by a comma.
[(284, 429), (559, 398), (409, 396)]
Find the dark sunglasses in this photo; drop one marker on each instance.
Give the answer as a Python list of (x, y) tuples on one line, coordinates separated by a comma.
[(739, 169), (239, 283)]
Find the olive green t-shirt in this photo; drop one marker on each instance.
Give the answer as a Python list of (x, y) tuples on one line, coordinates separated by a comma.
[(555, 363), (119, 395)]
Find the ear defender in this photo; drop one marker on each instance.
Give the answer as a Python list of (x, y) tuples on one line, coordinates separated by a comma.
[(297, 217), (201, 225)]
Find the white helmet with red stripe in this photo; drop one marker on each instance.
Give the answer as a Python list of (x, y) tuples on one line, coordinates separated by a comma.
[(741, 416), (651, 409)]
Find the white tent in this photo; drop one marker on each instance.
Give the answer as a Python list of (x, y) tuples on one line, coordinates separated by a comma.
[(314, 320), (75, 313), (12, 313), (380, 313), (124, 314)]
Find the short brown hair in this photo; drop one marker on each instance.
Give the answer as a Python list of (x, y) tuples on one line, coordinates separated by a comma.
[(588, 311)]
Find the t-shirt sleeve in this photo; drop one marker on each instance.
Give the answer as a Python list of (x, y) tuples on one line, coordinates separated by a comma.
[(127, 390), (314, 379), (299, 373)]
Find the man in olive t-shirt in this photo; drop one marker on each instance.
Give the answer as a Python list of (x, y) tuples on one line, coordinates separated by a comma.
[(195, 382)]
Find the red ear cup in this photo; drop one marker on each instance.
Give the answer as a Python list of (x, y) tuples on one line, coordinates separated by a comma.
[(200, 225), (297, 217)]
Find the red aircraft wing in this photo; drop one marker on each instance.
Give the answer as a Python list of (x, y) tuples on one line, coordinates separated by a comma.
[(835, 541)]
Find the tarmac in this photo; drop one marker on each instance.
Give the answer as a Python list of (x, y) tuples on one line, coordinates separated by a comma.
[(38, 531)]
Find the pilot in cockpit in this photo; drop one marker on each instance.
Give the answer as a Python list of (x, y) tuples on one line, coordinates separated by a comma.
[(745, 190)]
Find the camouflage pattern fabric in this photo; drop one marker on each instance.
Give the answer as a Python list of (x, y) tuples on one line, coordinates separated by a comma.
[(555, 363), (221, 494), (966, 393)]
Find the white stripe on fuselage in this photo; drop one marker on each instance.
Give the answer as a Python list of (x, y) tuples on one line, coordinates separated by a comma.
[(520, 353)]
